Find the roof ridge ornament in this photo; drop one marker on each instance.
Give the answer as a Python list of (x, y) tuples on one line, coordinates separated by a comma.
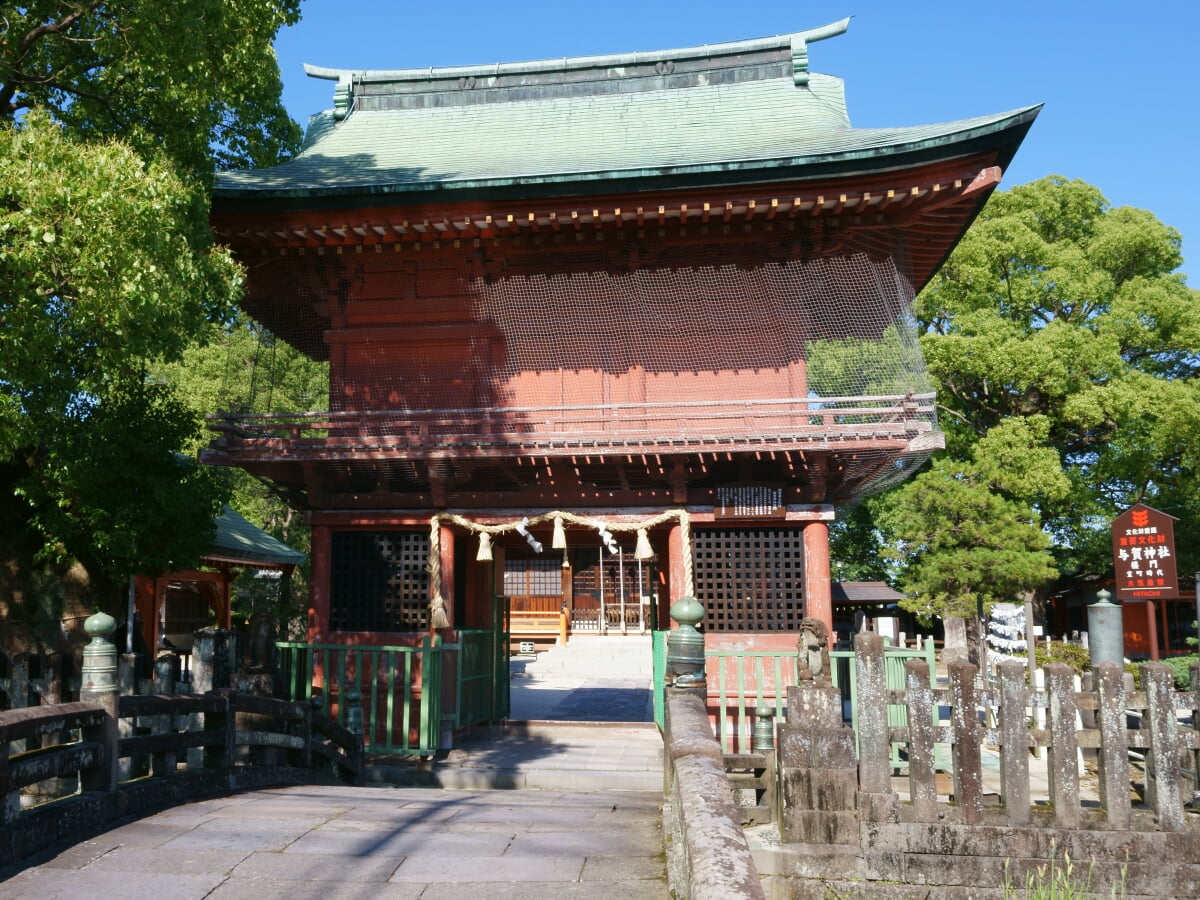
[(343, 96), (800, 47)]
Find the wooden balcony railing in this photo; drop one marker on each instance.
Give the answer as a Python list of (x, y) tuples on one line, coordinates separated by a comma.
[(498, 431)]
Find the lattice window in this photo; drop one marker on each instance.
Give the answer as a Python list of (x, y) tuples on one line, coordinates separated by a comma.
[(533, 577), (749, 579), (378, 581)]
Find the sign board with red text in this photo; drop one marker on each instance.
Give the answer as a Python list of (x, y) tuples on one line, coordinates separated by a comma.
[(1144, 554)]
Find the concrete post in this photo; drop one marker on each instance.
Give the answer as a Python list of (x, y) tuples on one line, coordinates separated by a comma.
[(99, 685)]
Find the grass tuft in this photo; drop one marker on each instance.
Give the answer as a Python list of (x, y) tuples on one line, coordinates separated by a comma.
[(1061, 881)]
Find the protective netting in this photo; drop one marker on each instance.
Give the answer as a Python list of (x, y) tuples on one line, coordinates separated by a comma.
[(547, 344)]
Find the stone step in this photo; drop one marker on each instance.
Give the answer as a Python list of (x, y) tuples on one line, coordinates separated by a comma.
[(618, 656), (538, 755), (612, 667)]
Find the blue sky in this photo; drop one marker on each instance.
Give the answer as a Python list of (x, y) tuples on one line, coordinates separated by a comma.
[(1121, 83)]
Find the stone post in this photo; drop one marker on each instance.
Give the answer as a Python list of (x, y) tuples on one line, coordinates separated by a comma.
[(1062, 765), (874, 746), (1162, 759), (965, 758), (921, 712), (818, 772), (99, 685), (354, 710), (879, 802), (166, 679), (166, 673), (1014, 742), (211, 669), (18, 684), (1113, 758), (127, 684)]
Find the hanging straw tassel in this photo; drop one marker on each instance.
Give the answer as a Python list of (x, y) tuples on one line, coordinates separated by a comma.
[(437, 605), (559, 541), (485, 547), (643, 549), (437, 609)]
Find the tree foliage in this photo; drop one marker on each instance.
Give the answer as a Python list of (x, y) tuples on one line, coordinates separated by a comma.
[(106, 263), (111, 486), (856, 546), (1066, 349), (106, 267), (968, 532), (247, 369), (114, 118), (194, 80)]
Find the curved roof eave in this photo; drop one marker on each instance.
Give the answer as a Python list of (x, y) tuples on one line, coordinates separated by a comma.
[(1002, 132)]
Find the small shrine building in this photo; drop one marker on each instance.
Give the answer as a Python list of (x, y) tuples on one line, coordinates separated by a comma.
[(601, 332)]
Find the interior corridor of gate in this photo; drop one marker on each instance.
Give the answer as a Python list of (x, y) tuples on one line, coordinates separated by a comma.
[(601, 592)]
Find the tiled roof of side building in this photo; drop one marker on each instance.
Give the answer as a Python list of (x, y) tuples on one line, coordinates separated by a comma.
[(745, 111), (239, 540)]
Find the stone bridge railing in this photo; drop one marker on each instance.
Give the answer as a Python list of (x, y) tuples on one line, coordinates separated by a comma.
[(708, 857), (71, 768)]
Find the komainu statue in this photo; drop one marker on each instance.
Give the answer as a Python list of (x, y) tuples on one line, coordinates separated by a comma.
[(813, 646)]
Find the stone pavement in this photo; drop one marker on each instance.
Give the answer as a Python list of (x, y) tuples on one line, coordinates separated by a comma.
[(331, 843), (590, 828)]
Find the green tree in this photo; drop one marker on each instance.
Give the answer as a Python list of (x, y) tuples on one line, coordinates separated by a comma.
[(194, 80), (1066, 350), (1056, 305), (114, 120), (247, 369), (120, 496), (105, 266), (968, 532), (856, 545)]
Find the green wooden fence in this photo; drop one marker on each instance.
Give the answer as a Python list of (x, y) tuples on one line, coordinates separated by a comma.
[(400, 716), (739, 679)]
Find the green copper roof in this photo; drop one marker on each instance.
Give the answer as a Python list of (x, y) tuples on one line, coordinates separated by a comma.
[(739, 111), (238, 540)]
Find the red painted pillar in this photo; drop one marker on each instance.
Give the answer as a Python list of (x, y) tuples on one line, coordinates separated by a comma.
[(446, 548), (675, 577), (818, 602), (321, 573)]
